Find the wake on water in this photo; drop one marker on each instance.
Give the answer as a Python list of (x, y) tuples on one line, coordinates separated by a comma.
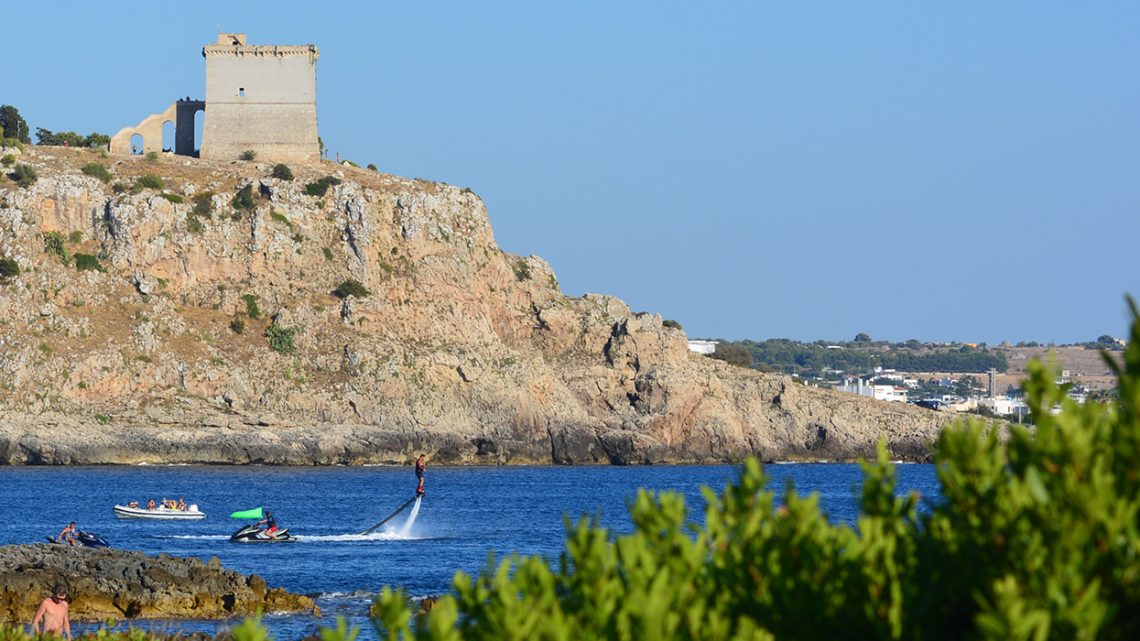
[(400, 533)]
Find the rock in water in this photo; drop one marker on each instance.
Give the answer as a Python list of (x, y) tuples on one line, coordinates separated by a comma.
[(108, 583)]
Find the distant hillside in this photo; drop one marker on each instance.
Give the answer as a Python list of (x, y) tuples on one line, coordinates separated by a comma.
[(810, 359)]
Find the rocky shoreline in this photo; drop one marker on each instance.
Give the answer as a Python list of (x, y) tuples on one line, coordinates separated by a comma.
[(108, 583), (203, 327)]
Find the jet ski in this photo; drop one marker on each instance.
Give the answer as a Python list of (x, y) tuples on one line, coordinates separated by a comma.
[(255, 534), (85, 539)]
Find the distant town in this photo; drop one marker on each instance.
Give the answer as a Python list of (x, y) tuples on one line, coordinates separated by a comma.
[(954, 377)]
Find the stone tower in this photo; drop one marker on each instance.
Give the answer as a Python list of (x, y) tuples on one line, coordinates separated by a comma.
[(261, 98)]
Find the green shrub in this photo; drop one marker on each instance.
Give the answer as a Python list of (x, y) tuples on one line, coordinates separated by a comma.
[(148, 181), (75, 237), (372, 167), (351, 287), (278, 217), (732, 354), (72, 139), (1034, 537), (97, 170), (152, 156), (237, 325), (320, 187), (281, 338), (669, 322), (53, 244), (243, 199), (119, 188), (88, 263), (251, 308), (248, 154), (24, 175), (327, 252), (282, 172), (8, 160), (194, 224), (522, 269), (204, 204), (174, 198), (8, 268)]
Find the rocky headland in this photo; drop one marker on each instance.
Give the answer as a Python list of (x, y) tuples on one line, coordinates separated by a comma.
[(157, 345), (107, 583)]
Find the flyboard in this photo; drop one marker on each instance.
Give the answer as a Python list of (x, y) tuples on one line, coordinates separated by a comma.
[(392, 515)]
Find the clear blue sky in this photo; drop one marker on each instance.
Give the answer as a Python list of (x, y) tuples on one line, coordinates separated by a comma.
[(969, 171)]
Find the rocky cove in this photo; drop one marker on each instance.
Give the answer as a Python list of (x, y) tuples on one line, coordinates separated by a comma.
[(162, 353)]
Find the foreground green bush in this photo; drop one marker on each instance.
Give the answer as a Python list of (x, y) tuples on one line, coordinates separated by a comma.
[(1034, 537)]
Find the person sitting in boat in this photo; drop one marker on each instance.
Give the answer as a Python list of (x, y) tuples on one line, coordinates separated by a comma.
[(133, 504), (68, 534), (150, 504), (181, 504), (270, 525)]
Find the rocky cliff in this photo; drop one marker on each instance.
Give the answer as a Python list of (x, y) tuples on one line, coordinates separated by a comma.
[(103, 583), (161, 347)]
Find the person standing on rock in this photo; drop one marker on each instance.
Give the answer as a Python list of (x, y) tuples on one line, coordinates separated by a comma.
[(420, 465), (52, 614)]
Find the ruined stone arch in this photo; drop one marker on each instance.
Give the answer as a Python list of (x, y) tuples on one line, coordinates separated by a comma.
[(181, 113)]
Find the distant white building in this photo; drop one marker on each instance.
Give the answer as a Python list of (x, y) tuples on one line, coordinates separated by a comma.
[(1006, 406), (891, 393), (702, 347), (858, 386)]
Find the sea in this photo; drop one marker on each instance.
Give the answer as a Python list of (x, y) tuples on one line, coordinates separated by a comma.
[(467, 515)]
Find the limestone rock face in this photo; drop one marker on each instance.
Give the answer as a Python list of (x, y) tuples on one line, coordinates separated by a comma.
[(107, 583), (460, 350)]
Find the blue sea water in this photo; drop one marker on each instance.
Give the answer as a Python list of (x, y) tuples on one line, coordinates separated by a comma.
[(467, 513)]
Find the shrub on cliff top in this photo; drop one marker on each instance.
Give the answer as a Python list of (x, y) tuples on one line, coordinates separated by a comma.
[(522, 269), (243, 199), (669, 322), (24, 175), (97, 170), (248, 154), (204, 204), (320, 187), (282, 172), (351, 287), (149, 181), (1031, 537)]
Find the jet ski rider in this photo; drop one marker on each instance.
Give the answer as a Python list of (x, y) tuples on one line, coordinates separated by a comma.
[(270, 525)]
